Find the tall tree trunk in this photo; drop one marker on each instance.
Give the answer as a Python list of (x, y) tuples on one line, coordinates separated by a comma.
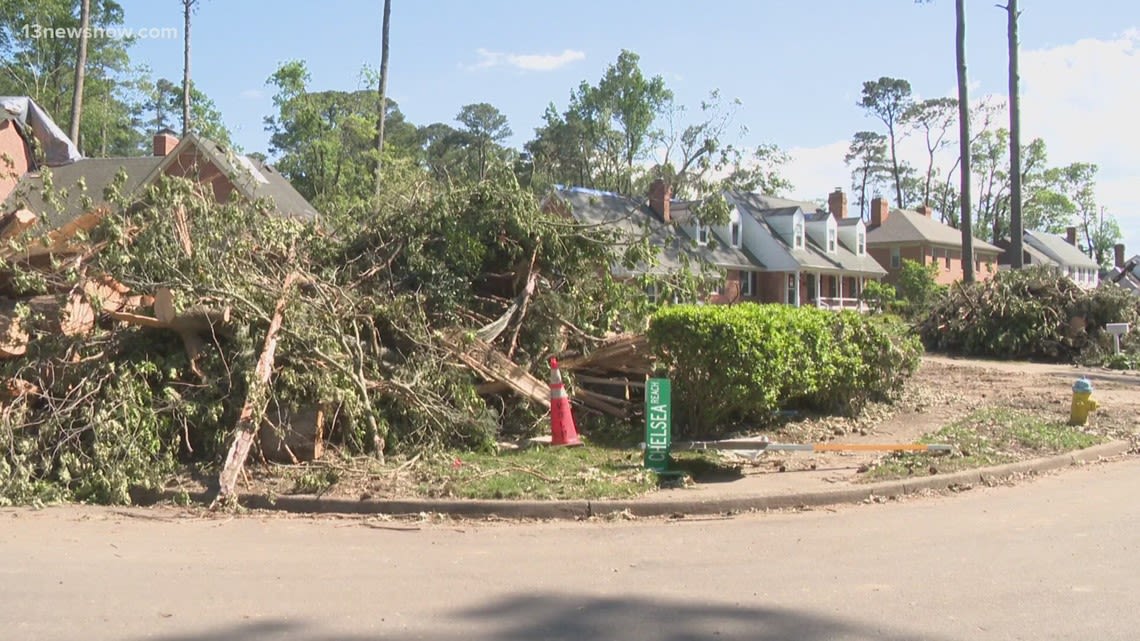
[(187, 7), (1016, 232), (80, 72), (964, 144), (863, 192), (895, 168), (383, 94)]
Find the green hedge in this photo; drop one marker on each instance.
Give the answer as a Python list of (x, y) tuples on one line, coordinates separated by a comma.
[(737, 365)]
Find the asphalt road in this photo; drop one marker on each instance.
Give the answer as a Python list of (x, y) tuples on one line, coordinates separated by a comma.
[(1056, 558)]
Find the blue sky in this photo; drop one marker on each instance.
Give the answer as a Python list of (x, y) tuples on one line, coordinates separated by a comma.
[(797, 67)]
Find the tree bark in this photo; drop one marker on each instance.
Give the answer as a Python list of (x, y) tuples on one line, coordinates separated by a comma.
[(1016, 233), (964, 144), (383, 94), (895, 166), (80, 72), (253, 410), (187, 7)]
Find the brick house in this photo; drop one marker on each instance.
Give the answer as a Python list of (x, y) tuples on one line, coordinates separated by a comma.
[(31, 145), (228, 174), (769, 250), (898, 234)]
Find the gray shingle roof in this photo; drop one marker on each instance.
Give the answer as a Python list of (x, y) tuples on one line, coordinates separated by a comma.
[(811, 256), (1058, 250), (763, 202), (630, 219), (254, 180), (76, 187), (904, 226)]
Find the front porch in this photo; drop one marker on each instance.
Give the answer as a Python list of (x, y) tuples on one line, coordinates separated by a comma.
[(833, 291)]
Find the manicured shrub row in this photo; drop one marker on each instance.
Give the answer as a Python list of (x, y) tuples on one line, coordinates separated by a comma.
[(736, 366)]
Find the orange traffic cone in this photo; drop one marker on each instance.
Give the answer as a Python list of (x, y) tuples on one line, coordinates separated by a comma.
[(562, 430)]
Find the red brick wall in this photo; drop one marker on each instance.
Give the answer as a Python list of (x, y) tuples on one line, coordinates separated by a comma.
[(926, 255), (771, 287), (189, 164), (13, 158)]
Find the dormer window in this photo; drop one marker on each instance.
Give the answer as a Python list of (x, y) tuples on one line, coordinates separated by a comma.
[(702, 234), (798, 235), (831, 241), (736, 234), (861, 243)]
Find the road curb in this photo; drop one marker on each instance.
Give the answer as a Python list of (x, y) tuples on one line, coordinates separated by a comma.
[(580, 509)]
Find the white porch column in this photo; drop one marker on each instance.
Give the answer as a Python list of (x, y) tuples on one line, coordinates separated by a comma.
[(818, 277), (797, 288), (842, 305)]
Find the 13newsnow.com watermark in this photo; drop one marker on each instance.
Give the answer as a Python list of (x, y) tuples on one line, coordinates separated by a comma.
[(39, 31)]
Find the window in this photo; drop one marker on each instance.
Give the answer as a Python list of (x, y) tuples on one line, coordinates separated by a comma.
[(949, 255), (651, 292), (736, 234), (896, 258), (861, 243), (702, 234), (791, 289), (831, 241), (746, 283), (798, 235)]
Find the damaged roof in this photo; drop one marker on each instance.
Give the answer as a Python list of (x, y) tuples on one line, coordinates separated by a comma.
[(86, 183)]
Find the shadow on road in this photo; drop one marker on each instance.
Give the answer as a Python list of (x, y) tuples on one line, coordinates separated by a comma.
[(556, 617)]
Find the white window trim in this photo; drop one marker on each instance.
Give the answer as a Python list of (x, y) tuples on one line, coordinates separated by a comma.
[(702, 234), (832, 240), (861, 243), (896, 257), (798, 235), (736, 232), (746, 284)]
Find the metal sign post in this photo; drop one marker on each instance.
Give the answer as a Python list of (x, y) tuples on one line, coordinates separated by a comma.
[(658, 424)]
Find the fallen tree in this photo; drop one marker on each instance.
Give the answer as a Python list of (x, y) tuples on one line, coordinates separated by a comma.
[(427, 327), (1031, 313)]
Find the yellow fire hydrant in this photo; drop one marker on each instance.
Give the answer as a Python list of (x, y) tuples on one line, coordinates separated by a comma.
[(1083, 402)]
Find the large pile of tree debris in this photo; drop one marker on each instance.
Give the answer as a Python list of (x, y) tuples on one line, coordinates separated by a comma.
[(147, 335), (1032, 313)]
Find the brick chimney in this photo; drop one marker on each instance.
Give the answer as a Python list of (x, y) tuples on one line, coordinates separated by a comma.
[(1071, 235), (880, 209), (1119, 249), (164, 142), (660, 193), (837, 204), (926, 210)]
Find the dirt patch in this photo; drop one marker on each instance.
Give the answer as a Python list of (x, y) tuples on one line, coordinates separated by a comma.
[(945, 390)]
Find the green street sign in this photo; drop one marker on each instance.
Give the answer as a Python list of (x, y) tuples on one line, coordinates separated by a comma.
[(658, 424)]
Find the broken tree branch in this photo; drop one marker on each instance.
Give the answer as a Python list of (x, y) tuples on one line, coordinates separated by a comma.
[(254, 407)]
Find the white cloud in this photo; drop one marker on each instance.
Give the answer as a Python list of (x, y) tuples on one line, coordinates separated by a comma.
[(526, 61), (815, 171), (1079, 97), (252, 94)]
